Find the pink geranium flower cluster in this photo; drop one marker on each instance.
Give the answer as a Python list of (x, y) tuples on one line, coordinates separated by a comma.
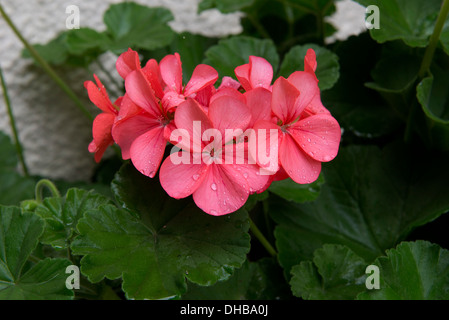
[(228, 141)]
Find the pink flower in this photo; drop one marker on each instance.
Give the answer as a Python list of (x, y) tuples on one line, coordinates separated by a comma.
[(102, 125), (306, 139), (218, 186), (203, 76), (257, 73), (142, 125)]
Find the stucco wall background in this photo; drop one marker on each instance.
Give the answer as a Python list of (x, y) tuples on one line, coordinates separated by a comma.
[(54, 133)]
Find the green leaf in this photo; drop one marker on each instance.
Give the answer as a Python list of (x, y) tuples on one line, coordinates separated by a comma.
[(261, 280), (412, 271), (131, 25), (356, 107), (394, 78), (336, 273), (87, 41), (432, 94), (225, 6), (235, 51), (372, 200), (13, 187), (55, 52), (19, 234), (409, 20), (328, 68), (191, 48), (61, 215), (292, 191), (156, 242)]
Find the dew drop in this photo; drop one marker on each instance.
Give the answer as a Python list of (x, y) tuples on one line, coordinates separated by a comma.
[(213, 186), (245, 175), (309, 140), (195, 177)]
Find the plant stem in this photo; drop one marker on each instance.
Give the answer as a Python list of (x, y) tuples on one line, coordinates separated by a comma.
[(434, 39), (40, 188), (255, 230), (49, 70), (12, 120)]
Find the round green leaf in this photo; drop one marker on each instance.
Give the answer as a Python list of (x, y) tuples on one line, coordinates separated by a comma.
[(261, 280), (412, 271), (133, 25), (235, 51), (328, 68), (292, 191), (336, 273), (371, 201), (156, 242), (62, 214), (409, 20), (19, 235)]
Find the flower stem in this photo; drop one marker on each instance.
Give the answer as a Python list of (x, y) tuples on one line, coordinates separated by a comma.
[(259, 235), (40, 188), (13, 125), (49, 70), (434, 39)]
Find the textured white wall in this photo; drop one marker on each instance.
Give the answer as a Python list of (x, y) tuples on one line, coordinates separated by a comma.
[(53, 131)]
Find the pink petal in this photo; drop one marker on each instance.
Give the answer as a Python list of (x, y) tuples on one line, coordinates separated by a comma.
[(153, 74), (129, 129), (141, 93), (204, 95), (247, 175), (316, 106), (202, 76), (228, 92), (127, 62), (171, 72), (307, 85), (259, 103), (310, 63), (242, 74), (98, 95), (171, 100), (261, 72), (219, 193), (263, 147), (147, 151), (181, 180), (229, 113), (101, 131), (189, 116), (298, 165), (127, 108), (319, 136), (284, 101), (228, 82)]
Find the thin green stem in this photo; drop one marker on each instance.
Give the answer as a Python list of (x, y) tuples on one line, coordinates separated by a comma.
[(49, 70), (259, 235), (12, 121), (40, 188), (434, 39), (259, 27)]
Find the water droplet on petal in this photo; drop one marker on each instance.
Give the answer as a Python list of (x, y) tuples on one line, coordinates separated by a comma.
[(213, 186), (195, 177), (245, 175)]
